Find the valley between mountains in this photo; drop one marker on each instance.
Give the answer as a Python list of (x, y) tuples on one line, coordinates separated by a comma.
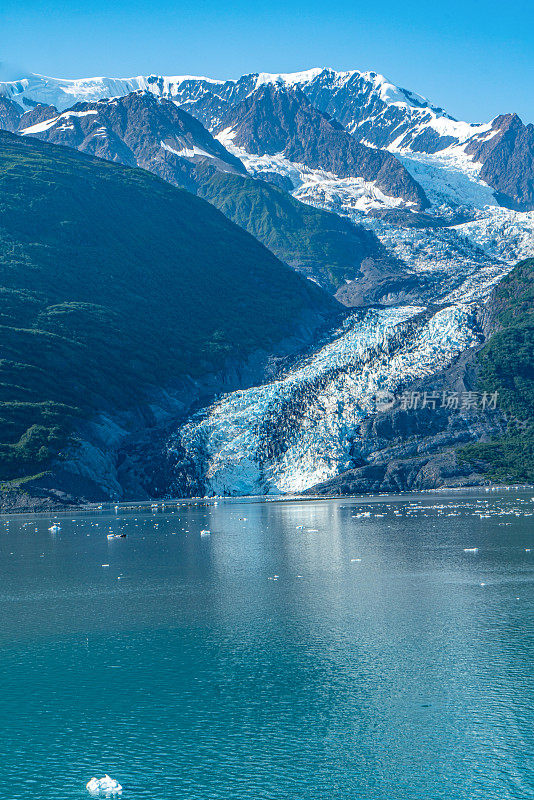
[(232, 287)]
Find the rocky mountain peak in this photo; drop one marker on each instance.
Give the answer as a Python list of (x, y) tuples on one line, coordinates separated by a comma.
[(273, 120), (505, 122), (267, 119), (507, 156), (138, 129)]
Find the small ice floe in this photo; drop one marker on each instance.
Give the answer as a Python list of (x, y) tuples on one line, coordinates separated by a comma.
[(205, 533), (470, 549), (105, 785)]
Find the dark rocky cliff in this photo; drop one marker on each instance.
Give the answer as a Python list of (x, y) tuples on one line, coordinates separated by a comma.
[(274, 120)]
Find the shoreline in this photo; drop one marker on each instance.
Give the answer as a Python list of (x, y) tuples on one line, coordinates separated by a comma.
[(162, 504)]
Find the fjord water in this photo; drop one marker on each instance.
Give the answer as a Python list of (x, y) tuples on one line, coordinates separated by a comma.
[(382, 663)]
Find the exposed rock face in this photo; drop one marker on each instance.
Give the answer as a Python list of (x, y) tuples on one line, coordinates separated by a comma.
[(39, 113), (137, 130), (507, 156), (382, 281), (274, 120), (10, 114), (411, 449)]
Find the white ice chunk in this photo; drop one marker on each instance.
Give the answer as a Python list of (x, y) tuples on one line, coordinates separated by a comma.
[(105, 785)]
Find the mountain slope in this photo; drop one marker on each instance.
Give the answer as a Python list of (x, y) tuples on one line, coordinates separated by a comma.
[(10, 114), (507, 158), (153, 133), (112, 280), (137, 130), (274, 120), (506, 366), (323, 246)]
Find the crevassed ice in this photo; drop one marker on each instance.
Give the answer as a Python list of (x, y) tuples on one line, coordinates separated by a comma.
[(292, 433)]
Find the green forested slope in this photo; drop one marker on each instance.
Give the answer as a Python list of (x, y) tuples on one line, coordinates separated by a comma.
[(111, 279), (507, 367), (322, 245)]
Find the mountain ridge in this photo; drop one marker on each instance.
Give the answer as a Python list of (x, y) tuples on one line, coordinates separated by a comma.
[(152, 133), (376, 112), (271, 121)]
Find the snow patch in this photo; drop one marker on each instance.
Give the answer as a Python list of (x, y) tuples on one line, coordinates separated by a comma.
[(186, 152)]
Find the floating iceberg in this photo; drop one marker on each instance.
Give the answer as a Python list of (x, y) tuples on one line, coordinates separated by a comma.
[(105, 785)]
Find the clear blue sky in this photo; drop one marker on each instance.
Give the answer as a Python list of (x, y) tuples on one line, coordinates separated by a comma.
[(473, 57)]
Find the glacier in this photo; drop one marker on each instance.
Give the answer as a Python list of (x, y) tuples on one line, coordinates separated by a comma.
[(466, 256), (296, 431)]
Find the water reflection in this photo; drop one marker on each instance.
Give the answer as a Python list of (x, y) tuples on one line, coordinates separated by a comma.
[(325, 649)]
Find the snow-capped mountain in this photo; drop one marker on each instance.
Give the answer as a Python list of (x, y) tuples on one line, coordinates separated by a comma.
[(447, 204), (136, 130), (375, 111), (274, 120), (151, 132), (477, 178), (365, 103)]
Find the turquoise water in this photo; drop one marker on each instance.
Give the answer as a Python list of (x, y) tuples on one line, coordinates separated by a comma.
[(383, 663)]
